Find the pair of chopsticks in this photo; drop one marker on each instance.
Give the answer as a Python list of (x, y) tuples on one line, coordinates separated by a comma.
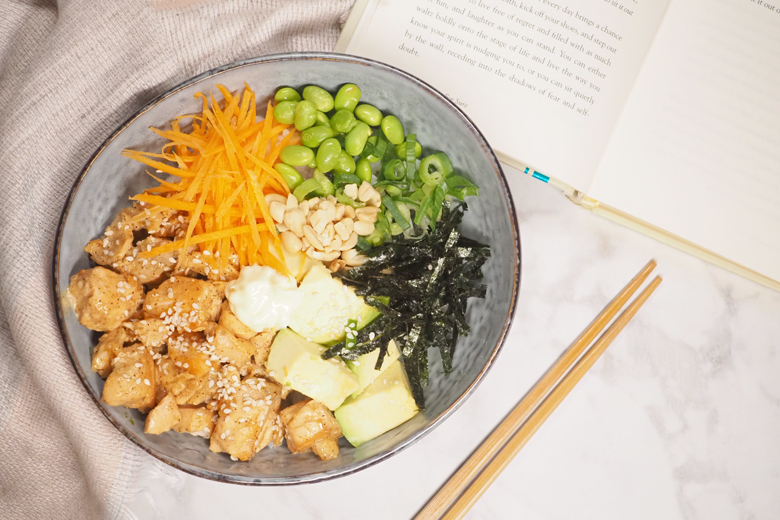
[(473, 478)]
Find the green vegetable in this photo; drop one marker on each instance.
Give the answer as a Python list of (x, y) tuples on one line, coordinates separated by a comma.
[(346, 163), (328, 155), (296, 363), (355, 140), (393, 129), (394, 170), (322, 119), (343, 121), (326, 187), (284, 112), (363, 170), (369, 114), (347, 97), (320, 97), (432, 170), (305, 115), (315, 135), (383, 405), (445, 162), (460, 187), (400, 149), (290, 175), (395, 211), (429, 281), (411, 156), (287, 94), (342, 179), (378, 149), (296, 155), (306, 188)]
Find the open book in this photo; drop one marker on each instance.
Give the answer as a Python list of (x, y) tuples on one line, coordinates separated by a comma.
[(663, 115)]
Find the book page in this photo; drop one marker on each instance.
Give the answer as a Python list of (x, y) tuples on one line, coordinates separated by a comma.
[(544, 80), (697, 149)]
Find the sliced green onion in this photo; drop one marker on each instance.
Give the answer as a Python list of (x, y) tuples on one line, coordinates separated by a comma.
[(306, 188), (380, 148), (368, 150), (438, 200), (445, 161), (411, 157), (326, 187), (363, 244), (394, 170), (349, 201), (393, 190), (422, 211), (432, 170), (341, 179), (460, 187), (396, 212)]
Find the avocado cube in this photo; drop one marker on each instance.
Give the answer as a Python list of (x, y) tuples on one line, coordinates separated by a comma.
[(298, 364), (363, 367), (327, 307), (385, 404)]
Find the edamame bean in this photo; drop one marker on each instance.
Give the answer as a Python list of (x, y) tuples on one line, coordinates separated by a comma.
[(296, 155), (363, 170), (322, 119), (313, 136), (287, 94), (356, 139), (393, 129), (343, 121), (347, 97), (320, 97), (346, 163), (400, 150), (305, 115), (369, 114), (289, 174), (328, 155), (284, 112)]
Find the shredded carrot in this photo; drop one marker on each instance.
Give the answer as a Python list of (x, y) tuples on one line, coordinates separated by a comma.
[(204, 237), (225, 165)]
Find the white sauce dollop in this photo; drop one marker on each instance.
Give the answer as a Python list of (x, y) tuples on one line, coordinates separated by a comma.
[(262, 298)]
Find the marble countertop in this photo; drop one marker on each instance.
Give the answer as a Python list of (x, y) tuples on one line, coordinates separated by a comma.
[(680, 419)]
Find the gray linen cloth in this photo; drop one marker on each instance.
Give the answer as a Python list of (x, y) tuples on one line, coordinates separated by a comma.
[(70, 73)]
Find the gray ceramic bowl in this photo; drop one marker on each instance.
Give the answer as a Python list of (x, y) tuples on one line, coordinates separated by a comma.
[(108, 180)]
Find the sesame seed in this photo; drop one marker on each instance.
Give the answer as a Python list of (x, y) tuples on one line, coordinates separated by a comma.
[(147, 382)]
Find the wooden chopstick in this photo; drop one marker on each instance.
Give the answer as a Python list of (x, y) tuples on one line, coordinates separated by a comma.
[(482, 456)]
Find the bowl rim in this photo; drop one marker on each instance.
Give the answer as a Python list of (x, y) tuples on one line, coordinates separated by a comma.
[(365, 463)]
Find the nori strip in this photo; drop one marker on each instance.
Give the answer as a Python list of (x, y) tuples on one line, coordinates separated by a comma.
[(428, 281)]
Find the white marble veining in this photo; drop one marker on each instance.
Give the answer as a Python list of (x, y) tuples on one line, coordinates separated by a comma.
[(680, 419)]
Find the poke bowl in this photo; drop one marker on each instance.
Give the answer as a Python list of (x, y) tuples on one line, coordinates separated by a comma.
[(111, 178)]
